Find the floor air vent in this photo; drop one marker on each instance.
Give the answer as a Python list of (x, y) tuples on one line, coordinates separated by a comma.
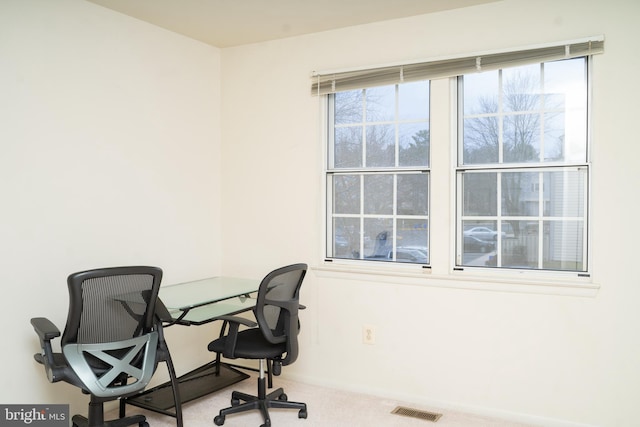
[(415, 413)]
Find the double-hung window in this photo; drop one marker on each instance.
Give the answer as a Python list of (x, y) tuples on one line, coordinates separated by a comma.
[(377, 174), (518, 163), (523, 167)]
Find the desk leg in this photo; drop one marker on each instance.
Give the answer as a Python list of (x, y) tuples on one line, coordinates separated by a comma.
[(223, 330), (176, 391)]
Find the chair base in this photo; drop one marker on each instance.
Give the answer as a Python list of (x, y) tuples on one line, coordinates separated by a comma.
[(96, 418), (81, 421), (261, 402)]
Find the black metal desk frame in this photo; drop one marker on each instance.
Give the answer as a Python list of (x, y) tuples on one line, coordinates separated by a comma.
[(196, 303)]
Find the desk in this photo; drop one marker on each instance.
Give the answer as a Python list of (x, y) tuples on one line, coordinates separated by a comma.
[(203, 301), (197, 303)]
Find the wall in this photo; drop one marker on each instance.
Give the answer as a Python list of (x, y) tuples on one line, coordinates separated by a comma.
[(109, 155), (540, 358)]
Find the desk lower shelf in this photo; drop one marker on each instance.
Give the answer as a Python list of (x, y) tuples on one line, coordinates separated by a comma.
[(192, 385)]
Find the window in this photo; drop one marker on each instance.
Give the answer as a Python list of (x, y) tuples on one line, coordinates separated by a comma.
[(377, 174), (523, 169), (515, 151)]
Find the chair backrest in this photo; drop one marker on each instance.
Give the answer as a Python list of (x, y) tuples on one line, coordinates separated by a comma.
[(111, 304), (110, 333), (277, 307)]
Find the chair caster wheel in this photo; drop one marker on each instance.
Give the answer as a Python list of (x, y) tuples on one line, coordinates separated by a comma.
[(143, 424), (235, 402), (218, 420), (302, 414), (283, 397), (266, 424)]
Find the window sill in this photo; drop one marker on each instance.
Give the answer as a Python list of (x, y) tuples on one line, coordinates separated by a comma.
[(516, 282)]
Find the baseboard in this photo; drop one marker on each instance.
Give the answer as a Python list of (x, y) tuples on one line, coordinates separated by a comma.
[(444, 405)]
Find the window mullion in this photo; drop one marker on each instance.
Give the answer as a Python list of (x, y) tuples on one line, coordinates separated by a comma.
[(361, 249), (499, 218), (540, 235), (543, 107), (500, 118), (364, 128)]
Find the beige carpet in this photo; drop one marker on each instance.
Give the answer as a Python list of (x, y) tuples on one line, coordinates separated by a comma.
[(326, 407)]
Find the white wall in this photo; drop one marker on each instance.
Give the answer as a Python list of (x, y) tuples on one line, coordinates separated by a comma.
[(109, 155), (549, 359)]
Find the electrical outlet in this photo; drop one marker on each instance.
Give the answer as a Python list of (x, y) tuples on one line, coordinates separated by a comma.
[(368, 334)]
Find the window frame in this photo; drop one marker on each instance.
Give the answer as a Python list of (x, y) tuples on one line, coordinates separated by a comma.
[(443, 271), (397, 170), (458, 169)]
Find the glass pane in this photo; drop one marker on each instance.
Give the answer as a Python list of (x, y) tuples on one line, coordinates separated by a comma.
[(414, 144), (412, 241), (378, 238), (519, 247), (478, 253), (575, 139), (413, 194), (566, 94), (554, 137), (478, 242), (346, 238), (380, 146), (381, 104), (480, 194), (348, 107), (521, 88), (413, 101), (481, 93), (481, 136), (520, 193), (521, 138), (346, 194), (378, 194), (347, 147), (563, 245), (567, 80), (564, 193)]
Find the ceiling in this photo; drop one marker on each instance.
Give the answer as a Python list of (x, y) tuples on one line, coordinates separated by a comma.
[(227, 23)]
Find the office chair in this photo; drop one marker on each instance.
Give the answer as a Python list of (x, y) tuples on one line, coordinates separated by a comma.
[(269, 339), (112, 341)]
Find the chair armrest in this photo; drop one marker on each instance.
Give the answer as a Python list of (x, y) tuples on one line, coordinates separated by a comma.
[(45, 329), (238, 320), (234, 323)]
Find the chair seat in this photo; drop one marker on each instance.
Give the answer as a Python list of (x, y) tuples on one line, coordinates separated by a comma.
[(251, 344)]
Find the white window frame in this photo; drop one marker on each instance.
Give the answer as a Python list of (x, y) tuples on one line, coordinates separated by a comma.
[(327, 112), (501, 168), (443, 271)]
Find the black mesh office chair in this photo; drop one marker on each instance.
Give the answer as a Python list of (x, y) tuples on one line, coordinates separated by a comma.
[(275, 337), (112, 341)]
